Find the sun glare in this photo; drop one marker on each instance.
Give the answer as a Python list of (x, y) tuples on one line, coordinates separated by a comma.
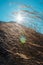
[(19, 18)]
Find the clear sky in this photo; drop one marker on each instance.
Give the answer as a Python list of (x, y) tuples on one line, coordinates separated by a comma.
[(32, 12)]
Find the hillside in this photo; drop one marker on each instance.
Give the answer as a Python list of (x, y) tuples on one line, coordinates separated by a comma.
[(13, 51)]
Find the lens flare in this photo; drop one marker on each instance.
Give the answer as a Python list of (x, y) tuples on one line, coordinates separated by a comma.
[(22, 39)]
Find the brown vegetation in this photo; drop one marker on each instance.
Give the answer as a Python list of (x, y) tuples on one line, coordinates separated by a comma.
[(12, 52)]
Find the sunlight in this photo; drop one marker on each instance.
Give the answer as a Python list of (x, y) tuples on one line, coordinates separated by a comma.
[(19, 18)]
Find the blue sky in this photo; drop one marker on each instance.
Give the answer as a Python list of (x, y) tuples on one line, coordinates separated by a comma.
[(7, 7)]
